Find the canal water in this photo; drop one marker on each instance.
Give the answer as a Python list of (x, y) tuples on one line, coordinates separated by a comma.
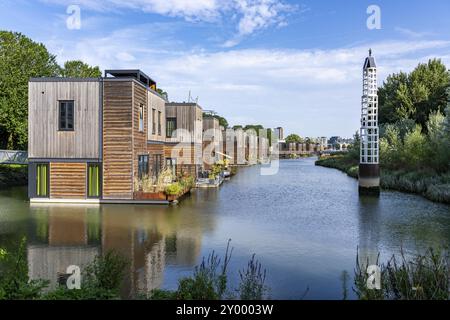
[(304, 225)]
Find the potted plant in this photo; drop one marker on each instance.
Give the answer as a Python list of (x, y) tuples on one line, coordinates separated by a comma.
[(173, 191)]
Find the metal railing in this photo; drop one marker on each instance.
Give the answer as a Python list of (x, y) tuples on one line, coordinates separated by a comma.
[(13, 157)]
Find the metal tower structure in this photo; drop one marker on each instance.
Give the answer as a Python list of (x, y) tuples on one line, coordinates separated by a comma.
[(369, 168)]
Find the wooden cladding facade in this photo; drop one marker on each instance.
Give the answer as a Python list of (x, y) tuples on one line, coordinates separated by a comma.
[(45, 138), (67, 180), (118, 140)]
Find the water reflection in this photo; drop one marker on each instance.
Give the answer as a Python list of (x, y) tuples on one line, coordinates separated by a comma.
[(369, 230), (150, 238), (304, 224)]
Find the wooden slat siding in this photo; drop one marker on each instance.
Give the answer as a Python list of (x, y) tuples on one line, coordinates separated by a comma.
[(67, 180), (45, 141), (190, 118), (139, 138), (117, 140)]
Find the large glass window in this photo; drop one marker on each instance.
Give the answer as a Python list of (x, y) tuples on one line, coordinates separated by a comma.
[(94, 181), (171, 164), (171, 126), (142, 166), (66, 115), (157, 159), (141, 118), (153, 121), (42, 177), (159, 122)]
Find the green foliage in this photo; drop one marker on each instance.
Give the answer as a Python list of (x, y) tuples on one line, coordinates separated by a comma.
[(101, 280), (414, 148), (14, 281), (415, 95), (174, 189), (293, 138), (422, 277), (252, 285), (187, 182), (355, 147), (79, 69), (162, 93), (20, 59)]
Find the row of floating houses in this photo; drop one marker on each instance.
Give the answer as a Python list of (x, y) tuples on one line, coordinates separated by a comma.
[(91, 140)]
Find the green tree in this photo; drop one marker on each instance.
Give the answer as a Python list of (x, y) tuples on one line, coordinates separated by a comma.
[(293, 138), (415, 95), (79, 69), (20, 59), (414, 148)]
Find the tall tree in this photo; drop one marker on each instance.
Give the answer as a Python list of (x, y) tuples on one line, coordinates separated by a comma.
[(20, 59), (293, 138), (416, 95), (79, 69)]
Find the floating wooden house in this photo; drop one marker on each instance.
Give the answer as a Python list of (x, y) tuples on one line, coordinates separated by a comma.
[(89, 139)]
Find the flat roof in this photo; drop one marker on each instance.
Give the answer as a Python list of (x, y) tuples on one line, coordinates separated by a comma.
[(131, 73), (183, 104)]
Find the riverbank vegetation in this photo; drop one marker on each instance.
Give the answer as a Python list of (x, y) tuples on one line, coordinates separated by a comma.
[(419, 277), (414, 134), (422, 277)]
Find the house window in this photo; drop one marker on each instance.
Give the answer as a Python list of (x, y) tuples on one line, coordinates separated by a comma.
[(171, 126), (142, 166), (157, 159), (141, 118), (94, 181), (66, 115), (154, 121), (42, 178), (159, 123), (171, 164)]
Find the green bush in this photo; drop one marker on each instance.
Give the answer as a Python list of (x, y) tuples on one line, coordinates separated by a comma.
[(174, 189), (14, 281)]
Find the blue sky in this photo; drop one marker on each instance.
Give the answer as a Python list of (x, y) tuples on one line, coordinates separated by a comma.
[(295, 64)]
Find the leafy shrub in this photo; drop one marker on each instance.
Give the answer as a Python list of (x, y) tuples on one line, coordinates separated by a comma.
[(174, 189)]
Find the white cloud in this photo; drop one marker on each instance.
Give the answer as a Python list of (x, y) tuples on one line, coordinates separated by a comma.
[(412, 34), (312, 92), (251, 15)]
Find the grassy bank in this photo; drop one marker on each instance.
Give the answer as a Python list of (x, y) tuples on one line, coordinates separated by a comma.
[(424, 182), (13, 175)]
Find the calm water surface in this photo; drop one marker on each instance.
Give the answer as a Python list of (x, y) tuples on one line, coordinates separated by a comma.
[(304, 224)]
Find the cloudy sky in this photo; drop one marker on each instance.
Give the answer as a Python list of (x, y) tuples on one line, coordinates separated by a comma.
[(295, 64)]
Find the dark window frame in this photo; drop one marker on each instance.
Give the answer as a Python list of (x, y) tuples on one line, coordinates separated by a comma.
[(143, 166), (153, 121), (66, 115), (159, 123), (174, 119), (141, 118)]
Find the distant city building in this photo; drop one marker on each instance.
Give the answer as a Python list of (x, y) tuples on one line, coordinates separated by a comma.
[(279, 133)]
